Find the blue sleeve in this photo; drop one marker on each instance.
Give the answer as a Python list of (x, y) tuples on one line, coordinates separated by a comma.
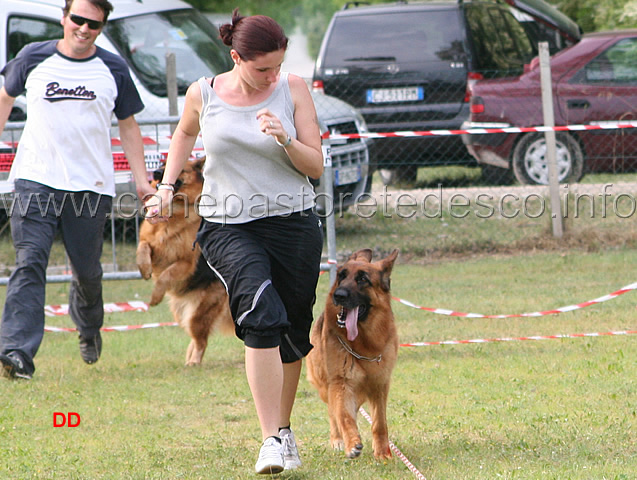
[(128, 101), (17, 70)]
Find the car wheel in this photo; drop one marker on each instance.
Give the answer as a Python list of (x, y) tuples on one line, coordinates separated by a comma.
[(530, 160)]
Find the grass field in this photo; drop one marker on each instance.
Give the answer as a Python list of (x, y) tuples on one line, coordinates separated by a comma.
[(549, 409)]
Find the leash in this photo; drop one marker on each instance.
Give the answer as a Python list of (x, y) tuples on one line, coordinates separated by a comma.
[(395, 449)]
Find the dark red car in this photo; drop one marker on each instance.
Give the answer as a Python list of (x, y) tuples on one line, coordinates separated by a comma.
[(594, 82)]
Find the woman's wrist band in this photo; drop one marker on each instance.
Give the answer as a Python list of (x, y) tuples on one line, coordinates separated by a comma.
[(287, 142), (166, 186)]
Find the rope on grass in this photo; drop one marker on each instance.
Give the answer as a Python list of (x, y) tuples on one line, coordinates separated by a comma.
[(395, 449), (568, 308)]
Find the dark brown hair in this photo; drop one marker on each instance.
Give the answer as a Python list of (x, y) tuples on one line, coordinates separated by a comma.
[(104, 5), (253, 36)]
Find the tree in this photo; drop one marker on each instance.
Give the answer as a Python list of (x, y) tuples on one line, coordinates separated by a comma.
[(283, 11), (596, 15), (313, 16)]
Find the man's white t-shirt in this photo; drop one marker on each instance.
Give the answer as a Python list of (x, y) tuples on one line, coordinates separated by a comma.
[(66, 143)]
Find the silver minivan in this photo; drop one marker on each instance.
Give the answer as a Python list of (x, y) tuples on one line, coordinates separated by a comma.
[(143, 34)]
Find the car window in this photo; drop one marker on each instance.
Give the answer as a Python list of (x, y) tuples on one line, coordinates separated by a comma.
[(406, 37), (145, 40), (501, 43), (538, 32), (617, 65), (22, 30)]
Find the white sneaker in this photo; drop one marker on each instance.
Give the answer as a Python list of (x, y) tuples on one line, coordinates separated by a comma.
[(290, 452), (270, 457)]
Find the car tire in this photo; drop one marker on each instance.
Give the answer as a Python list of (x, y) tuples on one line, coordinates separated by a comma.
[(530, 163), (495, 175)]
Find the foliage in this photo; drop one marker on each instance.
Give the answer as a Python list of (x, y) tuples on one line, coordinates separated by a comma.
[(596, 15), (310, 16), (283, 11), (313, 16)]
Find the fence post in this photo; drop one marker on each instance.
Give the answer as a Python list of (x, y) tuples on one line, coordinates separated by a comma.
[(549, 135), (171, 87), (327, 181), (114, 242)]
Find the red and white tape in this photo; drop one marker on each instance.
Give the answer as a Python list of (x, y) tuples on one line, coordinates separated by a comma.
[(482, 131), (118, 328), (116, 307), (143, 307), (133, 306), (569, 308), (517, 339)]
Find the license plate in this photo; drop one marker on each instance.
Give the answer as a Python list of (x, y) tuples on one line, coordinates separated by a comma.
[(153, 160), (394, 95), (346, 175)]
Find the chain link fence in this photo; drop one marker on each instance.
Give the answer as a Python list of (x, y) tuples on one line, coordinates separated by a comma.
[(462, 170), (413, 146)]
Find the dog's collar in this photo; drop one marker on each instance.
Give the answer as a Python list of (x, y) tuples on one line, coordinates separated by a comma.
[(349, 350)]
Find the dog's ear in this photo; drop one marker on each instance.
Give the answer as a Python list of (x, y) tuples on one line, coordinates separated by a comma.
[(386, 266), (197, 166), (362, 255)]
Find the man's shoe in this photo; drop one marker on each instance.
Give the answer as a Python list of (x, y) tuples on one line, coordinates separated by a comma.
[(270, 457), (91, 348), (290, 452), (12, 367)]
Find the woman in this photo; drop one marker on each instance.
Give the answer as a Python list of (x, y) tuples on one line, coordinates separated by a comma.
[(262, 142)]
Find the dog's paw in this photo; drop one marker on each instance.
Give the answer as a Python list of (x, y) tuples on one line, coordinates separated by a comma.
[(146, 271), (355, 451), (144, 260), (338, 444), (156, 298), (383, 454)]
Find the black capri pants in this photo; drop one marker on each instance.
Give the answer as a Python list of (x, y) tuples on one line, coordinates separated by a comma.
[(270, 268)]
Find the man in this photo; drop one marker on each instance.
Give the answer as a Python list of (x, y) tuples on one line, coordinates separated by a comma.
[(63, 176)]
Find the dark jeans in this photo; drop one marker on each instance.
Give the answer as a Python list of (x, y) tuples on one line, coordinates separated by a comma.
[(38, 213)]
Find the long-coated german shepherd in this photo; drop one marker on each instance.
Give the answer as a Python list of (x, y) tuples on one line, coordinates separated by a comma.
[(167, 253), (355, 350)]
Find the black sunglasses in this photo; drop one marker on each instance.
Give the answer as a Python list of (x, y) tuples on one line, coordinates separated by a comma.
[(79, 21)]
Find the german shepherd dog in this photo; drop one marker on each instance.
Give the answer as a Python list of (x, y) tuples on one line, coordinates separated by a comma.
[(167, 253), (355, 349)]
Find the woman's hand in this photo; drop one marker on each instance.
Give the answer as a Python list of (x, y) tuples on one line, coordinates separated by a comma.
[(157, 207), (304, 151), (271, 125)]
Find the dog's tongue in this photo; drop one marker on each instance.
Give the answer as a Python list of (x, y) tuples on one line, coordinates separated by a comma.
[(351, 324)]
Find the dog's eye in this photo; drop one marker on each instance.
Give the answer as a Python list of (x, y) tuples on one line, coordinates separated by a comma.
[(342, 275), (363, 279), (158, 175)]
